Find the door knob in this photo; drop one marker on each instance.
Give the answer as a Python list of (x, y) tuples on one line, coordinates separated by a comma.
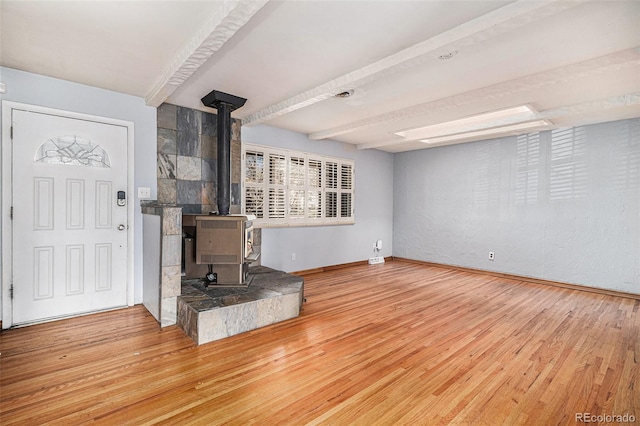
[(121, 227)]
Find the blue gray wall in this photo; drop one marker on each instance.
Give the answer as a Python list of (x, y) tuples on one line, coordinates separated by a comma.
[(49, 92), (560, 205), (318, 246)]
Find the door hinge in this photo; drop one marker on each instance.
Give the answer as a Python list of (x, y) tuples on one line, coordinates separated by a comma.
[(11, 213), (11, 291), (11, 133)]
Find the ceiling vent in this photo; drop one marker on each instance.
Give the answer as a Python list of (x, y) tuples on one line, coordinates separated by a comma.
[(448, 55), (344, 94)]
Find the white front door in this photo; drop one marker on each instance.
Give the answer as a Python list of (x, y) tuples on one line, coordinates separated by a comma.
[(69, 231)]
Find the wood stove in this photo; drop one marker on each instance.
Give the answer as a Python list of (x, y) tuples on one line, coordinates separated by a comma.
[(225, 243)]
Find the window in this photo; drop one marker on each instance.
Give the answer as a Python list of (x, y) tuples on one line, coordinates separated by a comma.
[(290, 188)]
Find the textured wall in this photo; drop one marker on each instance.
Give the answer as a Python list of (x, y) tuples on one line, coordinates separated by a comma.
[(187, 155), (561, 205)]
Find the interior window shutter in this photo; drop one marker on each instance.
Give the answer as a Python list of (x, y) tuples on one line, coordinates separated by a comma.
[(346, 191), (331, 190), (276, 203), (314, 189), (277, 169), (296, 187), (277, 181), (254, 163), (254, 202), (290, 188), (254, 182)]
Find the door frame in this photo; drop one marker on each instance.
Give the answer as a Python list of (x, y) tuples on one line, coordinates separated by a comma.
[(6, 154)]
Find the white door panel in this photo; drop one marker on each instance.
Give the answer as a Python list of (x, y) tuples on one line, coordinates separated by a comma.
[(68, 255)]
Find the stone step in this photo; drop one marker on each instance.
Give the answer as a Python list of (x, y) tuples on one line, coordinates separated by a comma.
[(212, 313)]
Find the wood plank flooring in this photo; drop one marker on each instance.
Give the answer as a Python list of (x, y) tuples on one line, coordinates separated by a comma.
[(397, 343)]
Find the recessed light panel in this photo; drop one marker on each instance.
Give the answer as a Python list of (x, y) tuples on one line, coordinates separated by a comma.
[(469, 124), (502, 130)]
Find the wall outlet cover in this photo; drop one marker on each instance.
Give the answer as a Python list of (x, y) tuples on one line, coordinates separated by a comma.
[(144, 193)]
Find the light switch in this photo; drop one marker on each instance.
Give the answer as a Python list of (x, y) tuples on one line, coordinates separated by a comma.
[(144, 193)]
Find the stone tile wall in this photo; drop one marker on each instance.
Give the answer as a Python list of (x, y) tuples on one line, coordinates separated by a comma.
[(187, 162), (169, 274), (187, 159)]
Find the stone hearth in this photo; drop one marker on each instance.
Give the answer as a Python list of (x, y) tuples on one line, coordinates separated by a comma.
[(213, 313)]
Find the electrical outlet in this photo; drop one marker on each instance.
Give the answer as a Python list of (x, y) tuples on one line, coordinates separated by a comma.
[(492, 255), (144, 193), (293, 256)]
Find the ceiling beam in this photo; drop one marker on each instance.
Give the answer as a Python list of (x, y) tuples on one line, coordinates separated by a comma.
[(228, 18), (615, 61), (492, 24), (627, 100)]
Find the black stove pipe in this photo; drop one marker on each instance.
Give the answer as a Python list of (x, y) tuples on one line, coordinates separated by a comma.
[(225, 104), (224, 159)]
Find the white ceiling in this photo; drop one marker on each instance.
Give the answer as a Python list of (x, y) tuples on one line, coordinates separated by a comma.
[(574, 62)]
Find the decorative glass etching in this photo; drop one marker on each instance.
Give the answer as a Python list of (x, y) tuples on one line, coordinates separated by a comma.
[(72, 150)]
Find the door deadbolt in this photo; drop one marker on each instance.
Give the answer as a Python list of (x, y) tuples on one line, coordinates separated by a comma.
[(122, 198)]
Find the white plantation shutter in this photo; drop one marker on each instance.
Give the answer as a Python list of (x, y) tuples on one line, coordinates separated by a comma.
[(314, 189), (346, 176), (254, 199), (296, 204), (254, 196), (297, 172), (331, 191), (314, 204), (289, 188), (315, 173), (331, 205), (277, 204), (345, 204), (254, 167), (346, 191), (277, 169)]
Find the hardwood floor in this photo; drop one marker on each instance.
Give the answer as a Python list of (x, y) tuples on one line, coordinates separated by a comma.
[(397, 343)]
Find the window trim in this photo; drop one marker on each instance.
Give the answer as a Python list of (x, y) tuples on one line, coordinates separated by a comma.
[(284, 183)]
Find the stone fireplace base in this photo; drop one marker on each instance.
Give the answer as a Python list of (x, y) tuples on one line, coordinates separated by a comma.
[(208, 314)]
